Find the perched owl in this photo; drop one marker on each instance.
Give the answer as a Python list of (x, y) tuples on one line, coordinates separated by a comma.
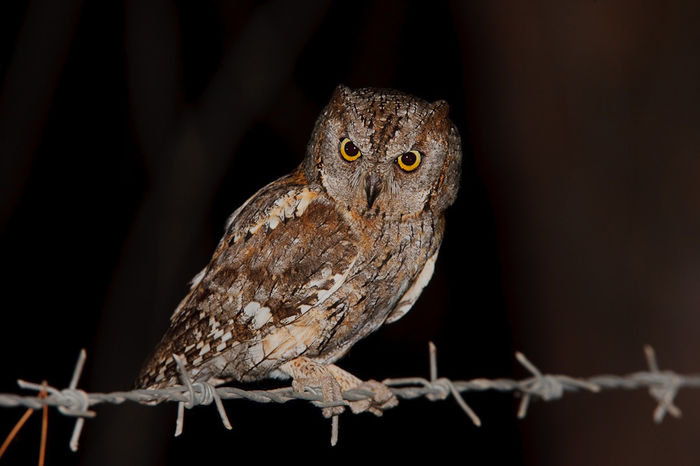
[(322, 257)]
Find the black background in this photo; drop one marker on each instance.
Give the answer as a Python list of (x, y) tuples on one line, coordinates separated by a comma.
[(129, 131)]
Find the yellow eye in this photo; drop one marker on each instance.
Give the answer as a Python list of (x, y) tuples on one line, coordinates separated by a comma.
[(409, 161), (348, 150)]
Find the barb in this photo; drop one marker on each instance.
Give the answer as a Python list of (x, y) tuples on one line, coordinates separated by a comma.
[(663, 386), (69, 401), (200, 393)]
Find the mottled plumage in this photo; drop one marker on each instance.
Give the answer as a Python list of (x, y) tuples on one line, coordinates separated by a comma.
[(320, 258)]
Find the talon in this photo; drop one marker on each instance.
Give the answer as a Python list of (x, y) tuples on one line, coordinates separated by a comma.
[(382, 400), (310, 374), (332, 381)]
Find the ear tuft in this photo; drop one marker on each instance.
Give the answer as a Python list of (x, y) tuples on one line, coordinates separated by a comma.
[(440, 109), (340, 93)]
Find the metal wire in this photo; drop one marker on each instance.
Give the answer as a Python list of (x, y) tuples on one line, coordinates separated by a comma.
[(72, 401)]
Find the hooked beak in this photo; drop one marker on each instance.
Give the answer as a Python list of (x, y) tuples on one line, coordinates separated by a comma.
[(373, 185)]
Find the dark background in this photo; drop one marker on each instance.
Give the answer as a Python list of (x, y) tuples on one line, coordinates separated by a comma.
[(130, 130)]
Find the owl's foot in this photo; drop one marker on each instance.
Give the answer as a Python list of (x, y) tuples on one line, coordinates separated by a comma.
[(383, 397), (382, 400), (310, 374)]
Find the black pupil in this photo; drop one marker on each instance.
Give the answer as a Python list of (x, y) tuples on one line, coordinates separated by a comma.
[(409, 158), (351, 149)]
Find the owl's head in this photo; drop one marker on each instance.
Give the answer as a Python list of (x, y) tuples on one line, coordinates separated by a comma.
[(383, 152)]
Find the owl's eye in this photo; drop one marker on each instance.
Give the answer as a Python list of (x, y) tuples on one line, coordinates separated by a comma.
[(409, 161), (348, 150)]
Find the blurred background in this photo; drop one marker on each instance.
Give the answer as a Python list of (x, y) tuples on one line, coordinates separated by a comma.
[(130, 130)]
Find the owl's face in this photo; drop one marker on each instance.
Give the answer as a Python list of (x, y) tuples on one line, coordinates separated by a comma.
[(382, 152)]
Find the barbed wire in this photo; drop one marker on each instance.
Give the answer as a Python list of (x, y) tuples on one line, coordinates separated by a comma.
[(663, 387)]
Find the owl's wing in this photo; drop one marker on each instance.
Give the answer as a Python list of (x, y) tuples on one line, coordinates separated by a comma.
[(285, 252)]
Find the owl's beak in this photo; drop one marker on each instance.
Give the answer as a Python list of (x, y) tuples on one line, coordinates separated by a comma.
[(373, 186)]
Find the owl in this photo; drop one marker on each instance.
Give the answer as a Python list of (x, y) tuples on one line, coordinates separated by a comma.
[(322, 257)]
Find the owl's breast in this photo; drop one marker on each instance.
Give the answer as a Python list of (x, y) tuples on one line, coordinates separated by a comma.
[(390, 260)]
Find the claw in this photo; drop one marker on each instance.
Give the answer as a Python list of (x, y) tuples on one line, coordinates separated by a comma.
[(382, 400), (308, 374), (383, 397)]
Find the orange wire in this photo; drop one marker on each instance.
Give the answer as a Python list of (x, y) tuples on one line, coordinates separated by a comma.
[(44, 427), (15, 430)]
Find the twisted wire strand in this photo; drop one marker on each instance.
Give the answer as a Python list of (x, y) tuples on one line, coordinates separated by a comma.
[(72, 401)]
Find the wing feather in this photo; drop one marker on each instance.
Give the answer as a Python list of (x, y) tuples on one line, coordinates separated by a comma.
[(285, 252)]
